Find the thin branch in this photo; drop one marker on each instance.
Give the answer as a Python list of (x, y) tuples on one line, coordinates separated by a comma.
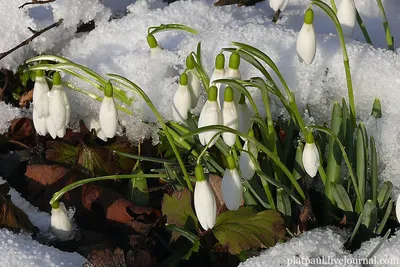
[(27, 41), (36, 2)]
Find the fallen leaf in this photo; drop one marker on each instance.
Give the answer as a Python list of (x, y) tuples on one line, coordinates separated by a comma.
[(20, 129), (106, 258)]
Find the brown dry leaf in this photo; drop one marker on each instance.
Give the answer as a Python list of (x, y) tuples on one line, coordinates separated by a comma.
[(306, 215), (25, 98), (215, 182), (106, 258), (21, 128), (46, 174)]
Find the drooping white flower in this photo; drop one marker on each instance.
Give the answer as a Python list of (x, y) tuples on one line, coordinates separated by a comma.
[(230, 117), (205, 205), (233, 72), (310, 157), (210, 115), (246, 165), (218, 73), (278, 4), (244, 117), (108, 115), (232, 187), (347, 16), (57, 105), (51, 128), (181, 102), (61, 224), (398, 208), (39, 124), (91, 122), (40, 88), (193, 81), (306, 44)]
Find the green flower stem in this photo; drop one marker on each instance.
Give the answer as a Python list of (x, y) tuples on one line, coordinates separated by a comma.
[(346, 159), (170, 27), (335, 21), (333, 4), (132, 86), (389, 37), (259, 145), (94, 96), (363, 28), (57, 195), (132, 156)]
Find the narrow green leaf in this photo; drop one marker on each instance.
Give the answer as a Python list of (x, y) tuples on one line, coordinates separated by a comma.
[(298, 169), (385, 218), (374, 170), (376, 109), (360, 169), (355, 230), (384, 194), (370, 216), (341, 197)]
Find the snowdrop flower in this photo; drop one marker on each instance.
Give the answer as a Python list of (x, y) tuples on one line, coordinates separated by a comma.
[(398, 208), (306, 41), (210, 115), (231, 187), (278, 4), (61, 224), (155, 48), (193, 81), (181, 102), (230, 117), (204, 200), (40, 104), (58, 108), (244, 116), (233, 72), (246, 165), (311, 156), (218, 73), (347, 15), (108, 115), (91, 122)]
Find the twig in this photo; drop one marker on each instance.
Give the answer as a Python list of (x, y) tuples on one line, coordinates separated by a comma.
[(36, 2), (27, 41)]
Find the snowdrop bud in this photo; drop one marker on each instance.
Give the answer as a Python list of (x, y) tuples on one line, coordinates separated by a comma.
[(61, 224), (306, 41), (108, 115), (218, 73), (193, 81), (210, 115), (40, 100), (153, 44), (347, 15), (311, 156), (278, 4), (204, 200), (231, 187), (244, 123), (246, 164), (57, 107), (230, 117), (181, 102), (398, 208), (233, 72)]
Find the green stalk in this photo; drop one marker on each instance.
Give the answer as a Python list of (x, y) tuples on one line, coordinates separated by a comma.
[(170, 27), (335, 20), (333, 4), (363, 28), (57, 195), (388, 34), (385, 218), (268, 152), (132, 86), (374, 171)]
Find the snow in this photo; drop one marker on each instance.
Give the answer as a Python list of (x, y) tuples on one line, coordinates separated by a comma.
[(119, 46)]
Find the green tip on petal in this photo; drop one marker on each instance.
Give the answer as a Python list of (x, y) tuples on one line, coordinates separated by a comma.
[(151, 40), (56, 78), (109, 90), (234, 61), (199, 172), (228, 94), (377, 109), (310, 138), (220, 61), (39, 73), (190, 62), (230, 162), (250, 133), (212, 93), (242, 99), (55, 205), (183, 80), (309, 16)]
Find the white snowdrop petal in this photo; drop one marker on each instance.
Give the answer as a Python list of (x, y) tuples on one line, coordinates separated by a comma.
[(39, 124), (67, 107), (57, 108), (306, 44), (246, 165), (398, 208), (194, 87), (232, 189), (347, 15), (311, 159), (244, 122), (42, 107), (61, 224), (39, 88), (50, 127), (205, 204), (230, 118), (277, 4), (108, 117), (210, 115), (181, 103)]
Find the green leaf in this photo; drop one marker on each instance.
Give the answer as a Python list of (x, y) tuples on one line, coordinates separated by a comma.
[(246, 229), (178, 208), (341, 197)]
